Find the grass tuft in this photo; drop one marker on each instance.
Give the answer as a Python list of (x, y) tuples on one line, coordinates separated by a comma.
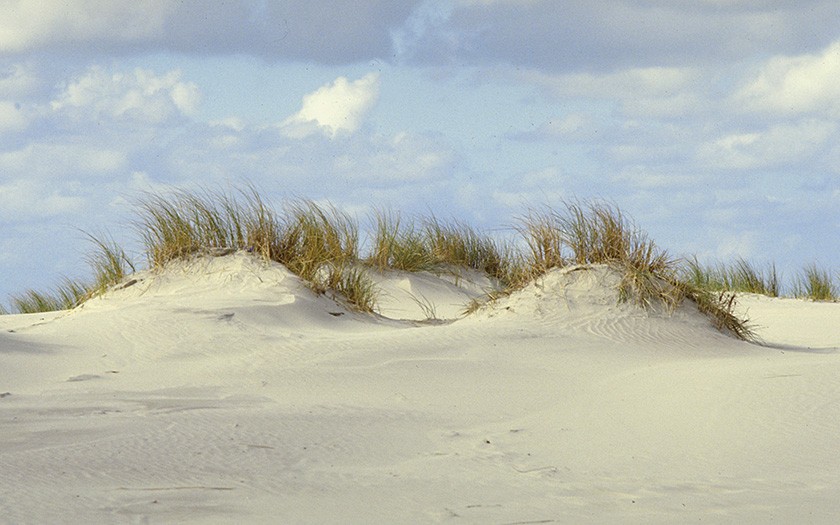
[(313, 238), (740, 276), (317, 243), (816, 284), (426, 306), (544, 240), (397, 246), (320, 244), (110, 264), (457, 244), (184, 224), (356, 286), (67, 295), (599, 233), (720, 308)]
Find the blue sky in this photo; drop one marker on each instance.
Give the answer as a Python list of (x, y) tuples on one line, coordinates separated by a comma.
[(714, 123)]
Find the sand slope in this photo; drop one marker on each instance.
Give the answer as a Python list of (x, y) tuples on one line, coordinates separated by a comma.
[(224, 391)]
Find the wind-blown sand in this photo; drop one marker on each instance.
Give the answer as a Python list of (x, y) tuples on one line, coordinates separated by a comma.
[(225, 391)]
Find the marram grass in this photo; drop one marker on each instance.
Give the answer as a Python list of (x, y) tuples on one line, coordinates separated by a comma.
[(110, 266), (67, 295), (321, 244), (739, 276), (398, 245), (816, 284)]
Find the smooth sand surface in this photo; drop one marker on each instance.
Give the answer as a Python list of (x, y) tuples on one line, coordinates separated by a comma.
[(225, 391)]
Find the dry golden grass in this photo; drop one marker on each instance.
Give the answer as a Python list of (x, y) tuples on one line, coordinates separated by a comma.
[(317, 243), (599, 233), (455, 243), (398, 246), (320, 244), (544, 240), (354, 284), (183, 224), (816, 284), (312, 237), (740, 276), (109, 264), (720, 308), (67, 295)]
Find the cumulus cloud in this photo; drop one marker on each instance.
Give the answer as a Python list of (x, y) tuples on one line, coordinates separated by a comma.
[(41, 25), (777, 145), (546, 185), (53, 162), (27, 199), (338, 107), (796, 85), (402, 159), (16, 81), (139, 95), (665, 92), (12, 119)]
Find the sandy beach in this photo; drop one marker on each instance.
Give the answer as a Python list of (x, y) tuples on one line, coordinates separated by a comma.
[(224, 390)]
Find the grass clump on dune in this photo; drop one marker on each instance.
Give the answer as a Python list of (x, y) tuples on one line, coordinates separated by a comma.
[(358, 289), (720, 308), (312, 238), (110, 266), (185, 224), (397, 245), (67, 295), (593, 233), (544, 240), (598, 233), (740, 276), (816, 284), (435, 246), (320, 244), (457, 244), (317, 243)]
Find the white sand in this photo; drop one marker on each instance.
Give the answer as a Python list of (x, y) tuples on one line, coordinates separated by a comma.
[(225, 392)]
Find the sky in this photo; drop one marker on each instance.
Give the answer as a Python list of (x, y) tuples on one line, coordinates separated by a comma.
[(715, 124)]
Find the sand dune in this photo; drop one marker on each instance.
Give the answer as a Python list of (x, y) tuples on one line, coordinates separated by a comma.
[(224, 391)]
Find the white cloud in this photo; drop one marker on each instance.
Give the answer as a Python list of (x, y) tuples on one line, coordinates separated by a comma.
[(16, 81), (779, 144), (27, 25), (51, 162), (338, 107), (644, 92), (12, 118), (232, 123), (735, 244), (529, 189), (140, 95), (22, 200), (404, 158), (796, 85)]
